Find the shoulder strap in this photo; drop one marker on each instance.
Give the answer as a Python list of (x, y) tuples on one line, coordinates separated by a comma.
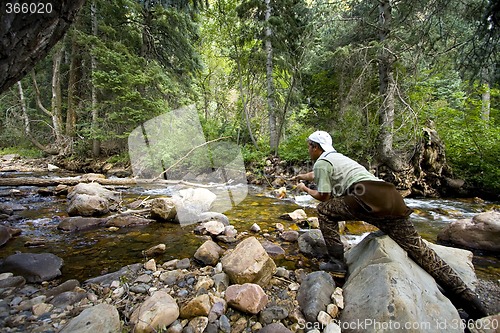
[(324, 159)]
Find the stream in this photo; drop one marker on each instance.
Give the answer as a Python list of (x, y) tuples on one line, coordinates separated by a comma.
[(96, 252)]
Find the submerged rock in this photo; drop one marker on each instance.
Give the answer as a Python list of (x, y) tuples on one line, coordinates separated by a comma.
[(34, 267)]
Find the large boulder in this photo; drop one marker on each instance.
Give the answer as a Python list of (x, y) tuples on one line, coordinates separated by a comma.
[(93, 189), (191, 203), (249, 263), (482, 232), (386, 288), (163, 209), (88, 205), (90, 199), (34, 267)]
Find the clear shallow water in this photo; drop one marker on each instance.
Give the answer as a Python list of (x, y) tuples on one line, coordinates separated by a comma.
[(95, 252)]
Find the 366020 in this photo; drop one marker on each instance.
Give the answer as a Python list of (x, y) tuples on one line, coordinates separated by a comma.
[(28, 8)]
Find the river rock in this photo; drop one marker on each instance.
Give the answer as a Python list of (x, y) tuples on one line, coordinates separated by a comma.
[(208, 253), (12, 281), (87, 205), (274, 250), (155, 250), (213, 216), (163, 209), (9, 208), (156, 312), (93, 189), (123, 221), (68, 285), (312, 243), (192, 202), (198, 306), (249, 263), (296, 215), (274, 328), (249, 297), (34, 267), (385, 286), (79, 223), (272, 314), (290, 236), (5, 234), (212, 228), (482, 232), (99, 318), (314, 294), (128, 272), (66, 298)]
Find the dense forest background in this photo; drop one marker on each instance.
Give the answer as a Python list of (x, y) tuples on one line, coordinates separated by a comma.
[(267, 73)]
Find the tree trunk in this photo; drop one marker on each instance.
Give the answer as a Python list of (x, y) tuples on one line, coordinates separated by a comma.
[(74, 78), (486, 102), (24, 110), (96, 144), (387, 89), (271, 103), (244, 100), (27, 38), (56, 101)]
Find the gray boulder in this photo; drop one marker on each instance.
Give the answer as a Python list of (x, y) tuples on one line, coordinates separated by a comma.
[(79, 223), (88, 205), (103, 318), (128, 272), (34, 267), (5, 234), (90, 199), (191, 203), (315, 294), (385, 287), (482, 232), (163, 209), (312, 244)]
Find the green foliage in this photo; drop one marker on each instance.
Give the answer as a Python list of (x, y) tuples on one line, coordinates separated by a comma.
[(294, 149), (471, 142), (254, 156), (22, 151)]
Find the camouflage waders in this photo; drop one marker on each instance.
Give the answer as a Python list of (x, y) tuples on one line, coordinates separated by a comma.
[(402, 231)]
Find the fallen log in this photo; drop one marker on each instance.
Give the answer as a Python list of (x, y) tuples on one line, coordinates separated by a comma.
[(71, 181)]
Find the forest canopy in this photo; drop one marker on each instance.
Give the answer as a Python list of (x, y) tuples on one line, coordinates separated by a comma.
[(267, 73)]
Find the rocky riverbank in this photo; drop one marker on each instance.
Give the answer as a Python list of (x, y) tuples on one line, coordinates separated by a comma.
[(235, 290)]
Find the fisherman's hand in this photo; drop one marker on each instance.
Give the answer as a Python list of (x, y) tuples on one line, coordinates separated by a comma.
[(302, 187), (298, 177)]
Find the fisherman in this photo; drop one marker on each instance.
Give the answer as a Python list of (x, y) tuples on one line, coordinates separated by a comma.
[(349, 192)]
